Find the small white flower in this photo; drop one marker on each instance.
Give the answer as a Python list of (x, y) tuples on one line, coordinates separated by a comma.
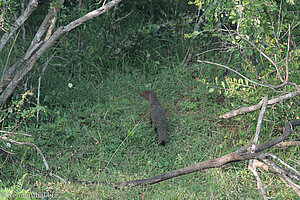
[(10, 110), (8, 145), (148, 85), (70, 85), (211, 90)]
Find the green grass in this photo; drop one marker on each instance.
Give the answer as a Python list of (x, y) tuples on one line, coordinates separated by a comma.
[(100, 131)]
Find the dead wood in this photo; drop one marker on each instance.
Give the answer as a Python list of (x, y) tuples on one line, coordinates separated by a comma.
[(25, 66), (245, 110), (288, 143), (236, 156)]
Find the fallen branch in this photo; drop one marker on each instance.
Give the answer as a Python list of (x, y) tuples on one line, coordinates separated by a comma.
[(252, 168), (215, 163), (219, 162), (260, 147), (244, 110), (284, 179), (28, 144), (288, 144), (39, 152)]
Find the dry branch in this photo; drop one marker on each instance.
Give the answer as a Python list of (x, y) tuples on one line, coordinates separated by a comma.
[(39, 152), (27, 65), (29, 144), (244, 110), (253, 150), (260, 147), (241, 75), (288, 144), (215, 163), (284, 179), (219, 162), (33, 4)]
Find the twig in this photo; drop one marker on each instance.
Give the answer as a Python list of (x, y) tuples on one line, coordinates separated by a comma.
[(12, 133), (122, 143), (259, 121), (29, 144), (39, 87), (259, 182), (253, 149), (241, 75), (56, 176), (252, 44)]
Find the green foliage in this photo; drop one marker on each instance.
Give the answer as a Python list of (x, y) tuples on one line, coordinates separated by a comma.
[(266, 27), (93, 125), (16, 191)]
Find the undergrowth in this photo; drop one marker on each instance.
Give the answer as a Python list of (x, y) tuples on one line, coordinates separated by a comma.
[(101, 132)]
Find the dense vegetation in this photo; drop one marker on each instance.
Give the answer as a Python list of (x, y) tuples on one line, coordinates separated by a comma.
[(81, 105)]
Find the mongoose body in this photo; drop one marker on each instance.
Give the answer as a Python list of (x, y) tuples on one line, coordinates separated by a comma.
[(157, 116)]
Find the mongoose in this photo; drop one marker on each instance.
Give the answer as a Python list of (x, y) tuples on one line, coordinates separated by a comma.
[(157, 116)]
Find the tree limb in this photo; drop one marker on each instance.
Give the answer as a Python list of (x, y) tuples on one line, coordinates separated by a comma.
[(245, 110), (216, 163), (23, 71), (252, 168), (33, 4), (286, 133)]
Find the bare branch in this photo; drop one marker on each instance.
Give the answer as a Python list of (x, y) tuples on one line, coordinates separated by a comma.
[(55, 36), (258, 49), (277, 69), (259, 121), (215, 163), (288, 144), (13, 133), (200, 21), (29, 144), (260, 184), (260, 147), (283, 178), (220, 65), (245, 110), (48, 20), (291, 183), (253, 150), (284, 164), (33, 4)]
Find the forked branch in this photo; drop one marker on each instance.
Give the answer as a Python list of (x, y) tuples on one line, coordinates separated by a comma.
[(236, 156)]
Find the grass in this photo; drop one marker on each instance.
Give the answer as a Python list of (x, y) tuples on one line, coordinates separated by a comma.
[(99, 131)]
